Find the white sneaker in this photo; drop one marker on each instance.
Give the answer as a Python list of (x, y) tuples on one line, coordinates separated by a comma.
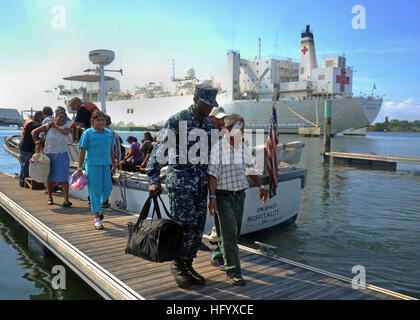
[(98, 224)]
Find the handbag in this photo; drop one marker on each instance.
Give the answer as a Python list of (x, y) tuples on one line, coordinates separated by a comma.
[(39, 167), (156, 240)]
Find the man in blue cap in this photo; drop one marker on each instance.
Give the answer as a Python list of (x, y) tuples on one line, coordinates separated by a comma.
[(48, 115), (186, 182)]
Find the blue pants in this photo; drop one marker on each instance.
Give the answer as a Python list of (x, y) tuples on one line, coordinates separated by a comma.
[(24, 166), (99, 185)]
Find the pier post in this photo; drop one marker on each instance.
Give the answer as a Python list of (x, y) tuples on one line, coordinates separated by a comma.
[(35, 245), (327, 130)]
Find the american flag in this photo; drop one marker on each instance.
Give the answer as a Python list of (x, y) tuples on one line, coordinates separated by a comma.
[(271, 153)]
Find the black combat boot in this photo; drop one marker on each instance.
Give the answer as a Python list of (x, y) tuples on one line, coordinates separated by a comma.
[(194, 276), (180, 273)]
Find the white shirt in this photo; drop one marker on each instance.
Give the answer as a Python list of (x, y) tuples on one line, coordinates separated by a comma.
[(56, 142), (231, 166), (47, 120)]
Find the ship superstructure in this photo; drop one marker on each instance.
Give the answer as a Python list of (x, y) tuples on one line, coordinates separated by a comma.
[(293, 80)]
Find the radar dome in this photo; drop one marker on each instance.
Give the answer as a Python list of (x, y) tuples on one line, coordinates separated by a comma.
[(101, 56), (190, 73)]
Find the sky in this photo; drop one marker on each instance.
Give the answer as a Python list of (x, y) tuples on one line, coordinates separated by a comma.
[(39, 47)]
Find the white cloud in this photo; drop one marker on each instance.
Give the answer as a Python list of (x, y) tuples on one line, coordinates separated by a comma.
[(399, 110)]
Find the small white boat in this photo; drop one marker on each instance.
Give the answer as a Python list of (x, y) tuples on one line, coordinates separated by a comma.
[(131, 189)]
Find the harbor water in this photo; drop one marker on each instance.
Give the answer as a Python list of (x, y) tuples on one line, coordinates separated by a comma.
[(348, 216)]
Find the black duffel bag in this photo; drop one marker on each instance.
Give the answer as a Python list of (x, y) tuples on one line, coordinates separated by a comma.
[(156, 240)]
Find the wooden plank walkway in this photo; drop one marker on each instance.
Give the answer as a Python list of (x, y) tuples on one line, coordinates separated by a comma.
[(99, 258)]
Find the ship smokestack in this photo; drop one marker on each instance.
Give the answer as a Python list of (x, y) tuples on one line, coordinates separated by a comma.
[(307, 54)]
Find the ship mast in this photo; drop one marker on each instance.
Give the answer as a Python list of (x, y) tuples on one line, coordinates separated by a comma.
[(102, 58), (173, 69)]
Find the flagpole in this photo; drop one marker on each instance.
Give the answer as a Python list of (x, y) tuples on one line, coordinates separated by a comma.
[(374, 87), (271, 149)]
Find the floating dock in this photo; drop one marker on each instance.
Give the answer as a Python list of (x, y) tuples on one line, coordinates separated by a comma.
[(309, 131), (98, 257), (355, 132), (372, 160)]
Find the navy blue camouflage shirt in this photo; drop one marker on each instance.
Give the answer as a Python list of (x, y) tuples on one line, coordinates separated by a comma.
[(183, 170)]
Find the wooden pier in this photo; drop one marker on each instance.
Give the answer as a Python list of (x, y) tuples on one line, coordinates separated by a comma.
[(372, 160), (98, 258)]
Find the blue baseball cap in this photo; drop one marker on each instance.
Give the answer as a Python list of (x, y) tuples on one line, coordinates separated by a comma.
[(207, 94)]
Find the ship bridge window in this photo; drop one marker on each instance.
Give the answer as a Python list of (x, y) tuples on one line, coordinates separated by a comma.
[(130, 111)]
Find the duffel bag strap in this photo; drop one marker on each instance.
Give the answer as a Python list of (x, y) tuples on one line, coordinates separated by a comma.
[(166, 210), (144, 212), (156, 209)]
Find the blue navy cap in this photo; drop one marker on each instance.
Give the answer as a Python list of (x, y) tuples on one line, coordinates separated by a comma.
[(48, 111), (207, 94)]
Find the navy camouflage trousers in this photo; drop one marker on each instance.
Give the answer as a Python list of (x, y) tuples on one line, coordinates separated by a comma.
[(189, 206)]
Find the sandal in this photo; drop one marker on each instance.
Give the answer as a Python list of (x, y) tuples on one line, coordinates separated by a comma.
[(50, 202), (67, 204)]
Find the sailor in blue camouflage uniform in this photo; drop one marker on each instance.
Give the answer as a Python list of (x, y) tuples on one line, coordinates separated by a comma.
[(186, 182)]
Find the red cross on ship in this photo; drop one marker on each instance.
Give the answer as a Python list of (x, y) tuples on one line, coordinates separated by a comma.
[(342, 79)]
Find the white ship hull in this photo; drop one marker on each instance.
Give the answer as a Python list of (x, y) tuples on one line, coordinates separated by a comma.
[(346, 112)]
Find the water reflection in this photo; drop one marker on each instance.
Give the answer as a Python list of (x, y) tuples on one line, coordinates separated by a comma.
[(35, 268), (325, 184)]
